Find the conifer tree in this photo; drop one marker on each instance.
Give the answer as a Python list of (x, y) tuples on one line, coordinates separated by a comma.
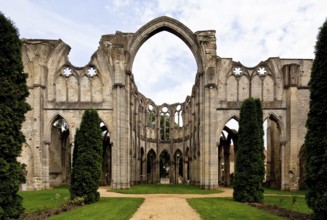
[(249, 170), (13, 106), (86, 172), (316, 137), (75, 147), (261, 164)]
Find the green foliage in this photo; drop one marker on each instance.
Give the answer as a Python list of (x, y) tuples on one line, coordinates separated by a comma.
[(75, 147), (13, 106), (249, 169), (86, 172), (316, 137)]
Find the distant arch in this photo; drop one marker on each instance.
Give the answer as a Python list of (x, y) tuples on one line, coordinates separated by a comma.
[(49, 126), (165, 160), (278, 120), (58, 155), (151, 166)]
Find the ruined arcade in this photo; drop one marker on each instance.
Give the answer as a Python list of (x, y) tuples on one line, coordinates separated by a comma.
[(138, 134)]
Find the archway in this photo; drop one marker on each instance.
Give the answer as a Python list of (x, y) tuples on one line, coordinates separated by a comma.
[(151, 166), (273, 153), (227, 151), (164, 69), (106, 156), (164, 124), (178, 167), (182, 36), (170, 25), (164, 166), (59, 153)]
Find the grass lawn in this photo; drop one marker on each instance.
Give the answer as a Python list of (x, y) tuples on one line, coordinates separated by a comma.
[(106, 208), (298, 204), (281, 192), (226, 208), (165, 189), (43, 199)]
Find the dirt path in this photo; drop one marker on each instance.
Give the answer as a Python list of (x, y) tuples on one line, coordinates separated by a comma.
[(166, 206)]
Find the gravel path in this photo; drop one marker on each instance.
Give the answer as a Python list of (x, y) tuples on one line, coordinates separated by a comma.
[(166, 206)]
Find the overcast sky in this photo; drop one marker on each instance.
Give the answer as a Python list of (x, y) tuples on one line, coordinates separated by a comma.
[(248, 31)]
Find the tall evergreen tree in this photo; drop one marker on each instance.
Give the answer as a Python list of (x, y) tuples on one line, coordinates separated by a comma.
[(86, 172), (249, 170), (316, 137), (261, 164), (75, 147), (13, 106)]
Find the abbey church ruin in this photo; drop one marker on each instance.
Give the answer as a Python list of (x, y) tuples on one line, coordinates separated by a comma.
[(146, 143)]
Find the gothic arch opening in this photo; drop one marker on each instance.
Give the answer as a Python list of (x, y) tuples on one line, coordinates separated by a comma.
[(153, 68), (164, 69), (164, 166), (151, 166), (106, 156), (59, 153), (178, 167), (164, 24), (273, 149), (164, 124), (227, 151)]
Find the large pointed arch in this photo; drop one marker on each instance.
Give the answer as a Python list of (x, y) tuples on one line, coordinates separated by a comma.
[(54, 118), (170, 25), (280, 124)]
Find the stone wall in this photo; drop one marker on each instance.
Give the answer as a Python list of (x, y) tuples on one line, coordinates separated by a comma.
[(59, 90)]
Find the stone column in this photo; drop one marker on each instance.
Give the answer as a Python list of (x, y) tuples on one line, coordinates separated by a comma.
[(226, 164), (45, 167), (219, 163)]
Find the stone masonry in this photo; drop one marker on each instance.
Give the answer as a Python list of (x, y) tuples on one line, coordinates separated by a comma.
[(139, 132)]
